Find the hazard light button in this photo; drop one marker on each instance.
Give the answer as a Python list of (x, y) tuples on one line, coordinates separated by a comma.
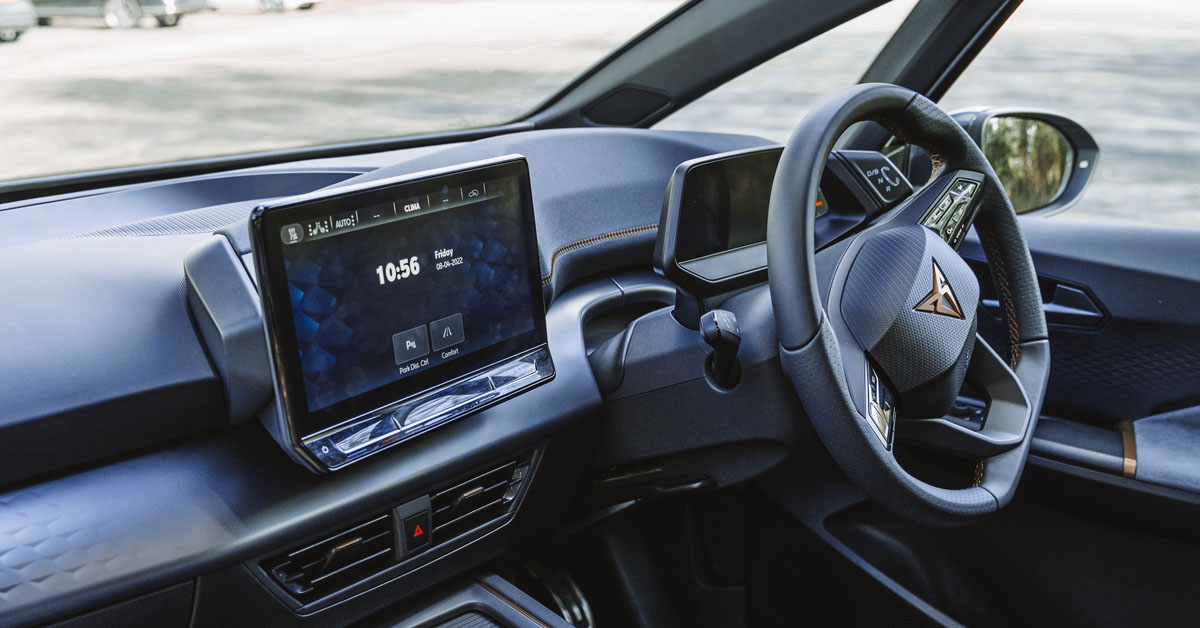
[(417, 532)]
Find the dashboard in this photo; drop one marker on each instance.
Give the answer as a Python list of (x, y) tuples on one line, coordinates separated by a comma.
[(145, 471)]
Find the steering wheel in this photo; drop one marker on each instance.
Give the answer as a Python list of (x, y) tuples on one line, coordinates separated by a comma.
[(878, 332)]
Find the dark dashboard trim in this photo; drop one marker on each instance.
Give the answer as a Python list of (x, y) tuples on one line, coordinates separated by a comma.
[(12, 191), (174, 514), (198, 506)]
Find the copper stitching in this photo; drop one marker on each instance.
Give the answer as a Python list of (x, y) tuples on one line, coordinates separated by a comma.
[(579, 244), (936, 158), (1010, 311)]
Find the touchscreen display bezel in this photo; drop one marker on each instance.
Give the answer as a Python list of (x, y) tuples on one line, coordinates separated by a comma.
[(266, 223)]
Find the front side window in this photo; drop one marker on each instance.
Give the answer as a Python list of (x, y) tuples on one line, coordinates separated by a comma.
[(1127, 73)]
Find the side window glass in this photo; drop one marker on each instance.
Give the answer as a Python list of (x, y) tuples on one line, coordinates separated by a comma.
[(1127, 73)]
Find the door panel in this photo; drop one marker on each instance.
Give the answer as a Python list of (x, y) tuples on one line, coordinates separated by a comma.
[(1142, 356)]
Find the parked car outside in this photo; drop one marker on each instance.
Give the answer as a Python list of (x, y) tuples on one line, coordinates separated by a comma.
[(119, 13), (16, 17), (263, 6)]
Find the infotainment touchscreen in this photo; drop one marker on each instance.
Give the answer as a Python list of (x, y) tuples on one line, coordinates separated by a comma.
[(378, 299)]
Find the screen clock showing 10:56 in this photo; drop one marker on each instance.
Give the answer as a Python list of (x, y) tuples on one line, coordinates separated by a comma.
[(375, 295)]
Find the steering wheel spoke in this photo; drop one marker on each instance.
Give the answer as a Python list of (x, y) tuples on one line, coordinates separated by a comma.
[(984, 427)]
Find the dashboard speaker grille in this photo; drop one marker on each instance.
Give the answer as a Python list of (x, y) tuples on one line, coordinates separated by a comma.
[(628, 105)]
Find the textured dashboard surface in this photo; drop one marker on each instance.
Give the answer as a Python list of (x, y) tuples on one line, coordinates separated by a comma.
[(101, 358), (56, 537), (203, 220), (163, 517)]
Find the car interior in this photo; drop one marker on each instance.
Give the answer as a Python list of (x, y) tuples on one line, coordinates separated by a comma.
[(574, 371)]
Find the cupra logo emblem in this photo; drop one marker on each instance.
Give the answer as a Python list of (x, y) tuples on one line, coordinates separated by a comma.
[(941, 299)]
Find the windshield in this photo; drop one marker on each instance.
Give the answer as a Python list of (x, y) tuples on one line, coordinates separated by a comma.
[(128, 82)]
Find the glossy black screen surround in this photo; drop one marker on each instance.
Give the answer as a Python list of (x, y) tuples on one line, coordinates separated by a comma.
[(338, 323)]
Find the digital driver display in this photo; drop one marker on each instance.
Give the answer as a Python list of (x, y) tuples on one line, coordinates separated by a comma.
[(724, 204), (386, 293)]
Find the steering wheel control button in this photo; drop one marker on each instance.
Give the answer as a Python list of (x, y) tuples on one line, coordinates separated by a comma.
[(940, 209), (882, 176), (446, 332), (881, 407), (410, 345), (950, 216)]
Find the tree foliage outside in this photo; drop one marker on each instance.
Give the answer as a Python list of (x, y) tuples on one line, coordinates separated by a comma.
[(1031, 158)]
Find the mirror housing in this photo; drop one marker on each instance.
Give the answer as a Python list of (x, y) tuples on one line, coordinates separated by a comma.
[(1004, 133)]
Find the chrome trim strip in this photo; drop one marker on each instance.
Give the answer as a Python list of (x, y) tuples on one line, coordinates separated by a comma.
[(395, 423)]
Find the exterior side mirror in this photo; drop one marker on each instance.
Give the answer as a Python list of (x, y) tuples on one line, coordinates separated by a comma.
[(1044, 159)]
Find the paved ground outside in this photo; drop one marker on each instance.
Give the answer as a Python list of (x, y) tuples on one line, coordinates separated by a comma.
[(77, 96)]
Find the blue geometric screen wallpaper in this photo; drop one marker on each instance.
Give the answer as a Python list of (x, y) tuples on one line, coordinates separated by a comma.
[(345, 320)]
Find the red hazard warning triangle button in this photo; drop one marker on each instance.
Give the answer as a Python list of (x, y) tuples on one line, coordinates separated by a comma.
[(416, 531)]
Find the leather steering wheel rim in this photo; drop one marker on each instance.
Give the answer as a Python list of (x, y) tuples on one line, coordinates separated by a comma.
[(811, 348)]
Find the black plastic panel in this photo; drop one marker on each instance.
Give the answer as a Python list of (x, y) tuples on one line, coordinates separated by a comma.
[(168, 608), (626, 106), (668, 425), (489, 602), (99, 356)]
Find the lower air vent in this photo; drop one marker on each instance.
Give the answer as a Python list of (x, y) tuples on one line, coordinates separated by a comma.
[(346, 558), (337, 561), (483, 498)]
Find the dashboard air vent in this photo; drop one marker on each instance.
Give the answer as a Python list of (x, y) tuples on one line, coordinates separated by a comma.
[(336, 561), (483, 498)]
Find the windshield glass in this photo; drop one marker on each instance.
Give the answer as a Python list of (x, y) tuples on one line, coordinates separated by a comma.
[(770, 99), (112, 83)]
